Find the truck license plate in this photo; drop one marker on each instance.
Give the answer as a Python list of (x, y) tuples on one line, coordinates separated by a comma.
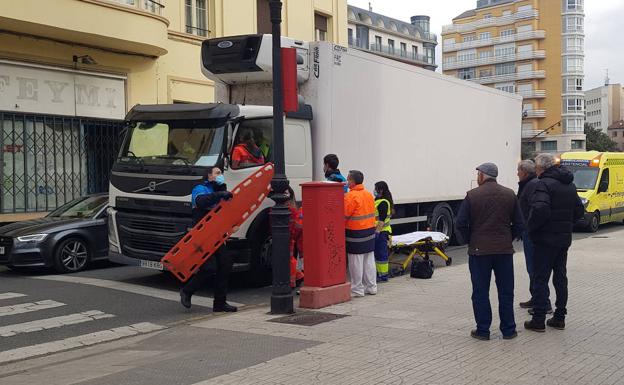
[(152, 265), (1, 249)]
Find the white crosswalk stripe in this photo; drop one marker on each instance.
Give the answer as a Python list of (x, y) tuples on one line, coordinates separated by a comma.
[(28, 307), (11, 295), (78, 341), (51, 323)]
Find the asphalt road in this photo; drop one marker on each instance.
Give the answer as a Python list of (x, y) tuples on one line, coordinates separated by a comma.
[(41, 312)]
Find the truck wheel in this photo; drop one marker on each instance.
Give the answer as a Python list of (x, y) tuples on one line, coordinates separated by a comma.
[(441, 220), (594, 222), (261, 257)]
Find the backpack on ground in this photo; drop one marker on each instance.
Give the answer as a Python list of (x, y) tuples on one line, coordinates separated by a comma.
[(422, 268)]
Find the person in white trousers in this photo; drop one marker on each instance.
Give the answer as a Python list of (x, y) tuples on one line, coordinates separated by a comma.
[(360, 226)]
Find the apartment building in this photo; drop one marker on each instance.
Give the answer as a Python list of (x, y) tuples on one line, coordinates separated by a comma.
[(411, 43), (616, 133), (604, 106), (534, 48), (71, 69)]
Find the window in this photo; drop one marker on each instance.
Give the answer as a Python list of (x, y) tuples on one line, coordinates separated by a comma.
[(573, 64), (578, 144), (573, 24), (485, 35), (574, 85), (487, 16), (507, 87), (320, 27), (574, 5), (470, 54), (403, 49), (527, 107), (350, 35), (485, 54), (573, 105), (604, 181), (528, 126), (390, 46), (525, 28), (196, 17), (470, 38), (485, 73), (573, 125), (378, 43), (525, 8), (526, 87), (614, 134), (466, 73), (549, 145), (430, 55), (507, 12), (525, 67), (504, 50), (506, 69), (449, 41), (415, 53), (507, 33), (525, 48), (252, 146), (573, 44)]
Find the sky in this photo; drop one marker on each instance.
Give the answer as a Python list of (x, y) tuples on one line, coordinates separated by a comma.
[(604, 41)]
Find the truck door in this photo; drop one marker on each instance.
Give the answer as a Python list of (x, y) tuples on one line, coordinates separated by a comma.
[(604, 201), (617, 193)]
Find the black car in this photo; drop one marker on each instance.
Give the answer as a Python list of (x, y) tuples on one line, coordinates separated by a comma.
[(66, 239)]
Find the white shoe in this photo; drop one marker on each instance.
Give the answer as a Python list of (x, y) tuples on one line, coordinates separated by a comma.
[(371, 292), (357, 295)]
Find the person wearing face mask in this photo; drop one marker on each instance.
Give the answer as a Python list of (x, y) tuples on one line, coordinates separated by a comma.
[(205, 197), (383, 231)]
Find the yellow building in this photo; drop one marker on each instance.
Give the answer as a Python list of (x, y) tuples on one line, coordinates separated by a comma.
[(71, 69), (530, 47)]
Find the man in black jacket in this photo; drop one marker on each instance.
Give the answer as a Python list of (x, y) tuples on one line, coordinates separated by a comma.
[(555, 207), (205, 197), (526, 187), (489, 220)]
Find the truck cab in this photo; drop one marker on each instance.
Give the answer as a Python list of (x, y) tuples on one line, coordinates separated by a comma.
[(599, 180)]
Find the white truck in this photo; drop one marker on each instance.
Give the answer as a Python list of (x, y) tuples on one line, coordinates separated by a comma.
[(421, 132)]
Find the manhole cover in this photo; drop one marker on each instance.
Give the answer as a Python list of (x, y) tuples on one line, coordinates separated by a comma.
[(308, 318)]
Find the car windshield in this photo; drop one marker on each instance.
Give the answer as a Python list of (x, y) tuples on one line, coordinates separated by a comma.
[(584, 177), (174, 143), (85, 207)]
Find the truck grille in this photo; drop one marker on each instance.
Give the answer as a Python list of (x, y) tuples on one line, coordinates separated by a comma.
[(7, 243), (149, 237)]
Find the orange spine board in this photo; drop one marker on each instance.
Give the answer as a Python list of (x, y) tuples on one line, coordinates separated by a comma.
[(209, 234)]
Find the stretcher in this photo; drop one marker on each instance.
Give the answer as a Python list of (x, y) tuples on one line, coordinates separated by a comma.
[(421, 243), (210, 233)]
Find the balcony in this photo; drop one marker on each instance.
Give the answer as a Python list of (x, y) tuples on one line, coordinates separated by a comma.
[(495, 60), (541, 74), (532, 94), (392, 53), (530, 114), (129, 26), (531, 35), (490, 22), (532, 134)]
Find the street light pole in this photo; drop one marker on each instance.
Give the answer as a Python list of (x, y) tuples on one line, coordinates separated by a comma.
[(281, 297)]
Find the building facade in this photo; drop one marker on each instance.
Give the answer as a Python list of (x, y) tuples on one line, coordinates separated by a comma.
[(616, 133), (71, 69), (534, 48), (604, 106), (411, 43)]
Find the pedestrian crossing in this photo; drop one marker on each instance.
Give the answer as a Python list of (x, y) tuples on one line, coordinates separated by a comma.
[(65, 322)]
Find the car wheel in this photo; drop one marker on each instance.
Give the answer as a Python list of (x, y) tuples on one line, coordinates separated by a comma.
[(71, 255), (594, 223)]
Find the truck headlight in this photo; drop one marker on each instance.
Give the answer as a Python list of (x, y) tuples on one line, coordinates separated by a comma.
[(32, 238)]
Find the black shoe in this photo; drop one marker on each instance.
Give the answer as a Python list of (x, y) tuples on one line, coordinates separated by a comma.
[(185, 299), (510, 336), (224, 308), (532, 311), (535, 326), (527, 305), (482, 337), (556, 323)]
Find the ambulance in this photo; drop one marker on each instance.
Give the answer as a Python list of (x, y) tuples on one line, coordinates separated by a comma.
[(599, 180)]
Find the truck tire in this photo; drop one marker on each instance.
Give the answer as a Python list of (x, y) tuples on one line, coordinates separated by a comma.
[(261, 255), (594, 223), (442, 220)]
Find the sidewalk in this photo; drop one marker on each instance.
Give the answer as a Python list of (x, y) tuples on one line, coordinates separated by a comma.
[(417, 332)]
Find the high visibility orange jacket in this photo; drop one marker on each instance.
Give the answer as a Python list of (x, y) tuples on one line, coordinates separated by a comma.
[(360, 220)]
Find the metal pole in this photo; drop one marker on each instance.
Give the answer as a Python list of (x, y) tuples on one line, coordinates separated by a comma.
[(282, 297)]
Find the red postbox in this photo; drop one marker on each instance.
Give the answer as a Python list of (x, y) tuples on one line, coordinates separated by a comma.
[(324, 245)]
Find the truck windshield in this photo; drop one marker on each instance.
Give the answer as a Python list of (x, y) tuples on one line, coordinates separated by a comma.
[(584, 177), (174, 143)]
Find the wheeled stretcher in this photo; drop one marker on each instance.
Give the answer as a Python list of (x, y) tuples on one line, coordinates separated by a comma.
[(422, 243)]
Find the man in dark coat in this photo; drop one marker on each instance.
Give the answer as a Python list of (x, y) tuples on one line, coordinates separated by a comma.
[(555, 207), (489, 220)]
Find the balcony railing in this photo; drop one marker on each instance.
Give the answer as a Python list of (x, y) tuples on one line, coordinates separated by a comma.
[(532, 94), (145, 5), (540, 34), (541, 74), (534, 114), (528, 55), (530, 134), (392, 52), (491, 22)]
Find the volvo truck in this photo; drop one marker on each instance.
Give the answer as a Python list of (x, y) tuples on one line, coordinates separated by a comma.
[(420, 131)]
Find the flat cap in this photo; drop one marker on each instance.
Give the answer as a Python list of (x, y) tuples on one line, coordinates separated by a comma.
[(489, 169)]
